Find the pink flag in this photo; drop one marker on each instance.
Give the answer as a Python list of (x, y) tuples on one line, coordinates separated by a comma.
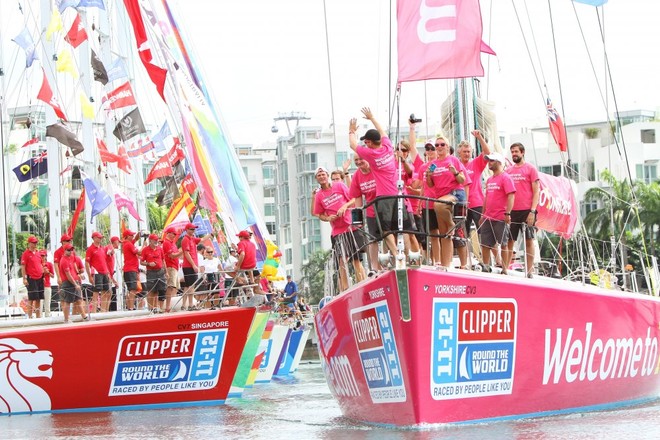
[(558, 211), (122, 201), (442, 40), (46, 95)]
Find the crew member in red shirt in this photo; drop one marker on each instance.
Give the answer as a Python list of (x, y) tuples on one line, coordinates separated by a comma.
[(71, 287), (110, 258), (131, 266), (65, 239), (49, 271), (33, 276), (153, 259), (190, 264), (95, 258), (172, 254)]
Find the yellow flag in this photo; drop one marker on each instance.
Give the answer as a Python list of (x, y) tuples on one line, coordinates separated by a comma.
[(87, 107), (55, 24), (65, 63)]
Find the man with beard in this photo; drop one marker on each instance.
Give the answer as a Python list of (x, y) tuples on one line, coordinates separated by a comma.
[(526, 178)]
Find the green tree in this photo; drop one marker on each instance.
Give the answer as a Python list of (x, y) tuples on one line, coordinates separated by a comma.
[(649, 214), (314, 276), (614, 214), (157, 216)]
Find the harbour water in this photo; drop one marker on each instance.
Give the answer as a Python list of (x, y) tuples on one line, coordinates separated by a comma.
[(301, 407)]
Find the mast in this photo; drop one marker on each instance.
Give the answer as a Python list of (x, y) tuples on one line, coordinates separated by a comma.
[(4, 253)]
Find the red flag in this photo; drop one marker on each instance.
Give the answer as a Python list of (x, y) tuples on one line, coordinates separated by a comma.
[(30, 142), (161, 168), (188, 184), (157, 74), (120, 97), (76, 214), (123, 163), (557, 127), (77, 33), (121, 158), (46, 95), (175, 155)]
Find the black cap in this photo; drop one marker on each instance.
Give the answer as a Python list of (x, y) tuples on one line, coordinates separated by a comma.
[(371, 135)]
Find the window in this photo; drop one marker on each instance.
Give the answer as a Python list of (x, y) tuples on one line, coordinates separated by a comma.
[(587, 206), (288, 256), (340, 158), (553, 170), (647, 172), (311, 162), (648, 136), (73, 204), (271, 228), (268, 172), (269, 209)]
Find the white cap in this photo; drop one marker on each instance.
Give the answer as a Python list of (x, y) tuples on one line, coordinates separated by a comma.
[(496, 157), (319, 169)]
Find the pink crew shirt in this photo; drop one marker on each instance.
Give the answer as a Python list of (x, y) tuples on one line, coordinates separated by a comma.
[(383, 165), (497, 189), (474, 169), (444, 180), (523, 176), (328, 201), (364, 184)]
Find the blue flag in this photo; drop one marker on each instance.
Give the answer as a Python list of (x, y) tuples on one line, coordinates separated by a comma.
[(24, 39), (203, 225), (91, 4), (159, 137), (31, 168), (117, 70), (98, 198)]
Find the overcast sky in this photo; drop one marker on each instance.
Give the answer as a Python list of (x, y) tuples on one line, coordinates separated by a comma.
[(265, 57)]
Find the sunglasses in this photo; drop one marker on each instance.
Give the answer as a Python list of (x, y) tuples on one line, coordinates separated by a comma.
[(403, 150), (429, 148), (441, 144)]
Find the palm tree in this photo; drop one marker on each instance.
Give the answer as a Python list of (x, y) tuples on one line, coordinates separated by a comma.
[(615, 213), (649, 215)]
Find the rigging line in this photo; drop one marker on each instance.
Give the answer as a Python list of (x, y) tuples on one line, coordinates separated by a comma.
[(561, 94), (389, 67), (536, 76), (327, 51), (536, 48), (490, 32)]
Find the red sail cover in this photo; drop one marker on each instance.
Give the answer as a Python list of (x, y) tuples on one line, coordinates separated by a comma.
[(557, 208), (442, 40)]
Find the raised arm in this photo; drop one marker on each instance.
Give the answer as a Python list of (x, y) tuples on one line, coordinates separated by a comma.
[(412, 138), (366, 111), (485, 148), (352, 137)]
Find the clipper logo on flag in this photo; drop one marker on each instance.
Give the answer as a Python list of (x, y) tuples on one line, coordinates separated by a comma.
[(473, 347), (168, 362), (372, 329)]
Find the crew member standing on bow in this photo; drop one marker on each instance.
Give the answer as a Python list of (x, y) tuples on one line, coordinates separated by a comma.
[(33, 276), (526, 178), (95, 258), (131, 266), (153, 259), (49, 272)]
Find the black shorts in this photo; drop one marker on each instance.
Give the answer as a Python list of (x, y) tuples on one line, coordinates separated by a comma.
[(493, 232), (131, 279), (429, 218), (387, 211), (372, 229), (421, 234), (68, 293), (101, 282), (345, 246), (35, 289), (473, 216), (458, 239), (189, 277), (518, 218), (156, 282)]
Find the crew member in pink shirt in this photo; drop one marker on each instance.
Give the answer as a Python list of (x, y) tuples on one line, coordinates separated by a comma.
[(379, 153), (526, 178), (447, 176), (363, 183), (331, 204), (496, 216)]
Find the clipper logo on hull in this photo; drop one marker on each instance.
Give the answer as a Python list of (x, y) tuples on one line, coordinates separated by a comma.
[(473, 347), (168, 362), (372, 329)]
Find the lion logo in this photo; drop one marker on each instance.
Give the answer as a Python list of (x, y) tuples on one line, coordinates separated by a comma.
[(18, 363)]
